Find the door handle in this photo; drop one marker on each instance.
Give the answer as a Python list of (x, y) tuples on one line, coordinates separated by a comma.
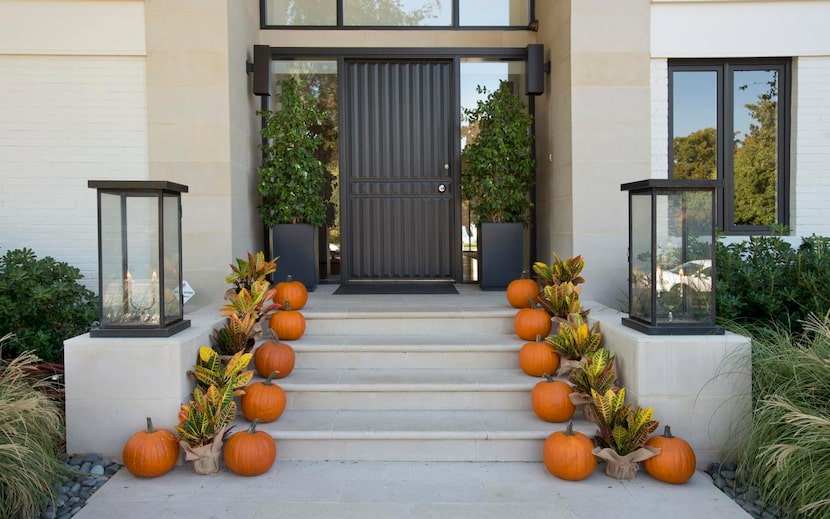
[(442, 188)]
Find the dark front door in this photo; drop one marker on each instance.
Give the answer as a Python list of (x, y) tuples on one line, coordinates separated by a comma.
[(397, 176)]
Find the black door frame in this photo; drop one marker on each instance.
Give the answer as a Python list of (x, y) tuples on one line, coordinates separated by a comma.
[(455, 54)]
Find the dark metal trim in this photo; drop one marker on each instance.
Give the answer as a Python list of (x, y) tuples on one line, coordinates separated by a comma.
[(669, 184), (137, 185), (132, 331), (517, 53), (672, 329)]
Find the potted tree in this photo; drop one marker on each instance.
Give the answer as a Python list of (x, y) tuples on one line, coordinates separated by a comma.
[(292, 181), (497, 174)]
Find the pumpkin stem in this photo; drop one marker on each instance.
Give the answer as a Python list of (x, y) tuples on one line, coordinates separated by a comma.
[(525, 274), (271, 377), (274, 335), (287, 305), (288, 278), (150, 429), (252, 427), (548, 377), (569, 431), (538, 338), (667, 432)]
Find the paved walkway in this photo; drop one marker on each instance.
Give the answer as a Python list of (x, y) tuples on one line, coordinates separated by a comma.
[(407, 490)]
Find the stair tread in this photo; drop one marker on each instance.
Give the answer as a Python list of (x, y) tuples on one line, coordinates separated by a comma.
[(378, 380), (407, 343), (413, 425), (380, 312)]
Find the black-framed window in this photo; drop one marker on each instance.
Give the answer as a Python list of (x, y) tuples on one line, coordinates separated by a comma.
[(730, 120), (385, 14)]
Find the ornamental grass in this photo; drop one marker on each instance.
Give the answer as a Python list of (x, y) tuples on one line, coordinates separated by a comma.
[(31, 429), (787, 453)]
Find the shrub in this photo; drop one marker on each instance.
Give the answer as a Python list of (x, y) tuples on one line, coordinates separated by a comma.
[(787, 451), (42, 304), (765, 279), (31, 429)]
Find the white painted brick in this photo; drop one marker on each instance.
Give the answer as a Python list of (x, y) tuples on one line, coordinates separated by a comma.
[(811, 146), (64, 121), (659, 118)]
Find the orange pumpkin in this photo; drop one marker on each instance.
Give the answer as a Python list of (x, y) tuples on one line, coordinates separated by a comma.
[(567, 454), (273, 356), (538, 358), (151, 452), (288, 324), (530, 322), (263, 401), (293, 291), (676, 462), (522, 292), (251, 452), (550, 400)]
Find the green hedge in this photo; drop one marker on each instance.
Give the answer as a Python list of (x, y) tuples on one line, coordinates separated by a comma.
[(766, 279), (42, 304)]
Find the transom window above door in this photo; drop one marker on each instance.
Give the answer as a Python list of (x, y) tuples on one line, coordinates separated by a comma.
[(432, 14)]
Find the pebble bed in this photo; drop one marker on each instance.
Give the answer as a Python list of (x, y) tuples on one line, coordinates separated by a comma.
[(88, 473), (723, 475)]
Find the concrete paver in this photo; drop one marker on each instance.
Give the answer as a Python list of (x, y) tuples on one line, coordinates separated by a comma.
[(408, 490)]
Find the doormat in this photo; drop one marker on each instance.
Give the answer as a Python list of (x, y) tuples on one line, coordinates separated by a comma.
[(356, 289)]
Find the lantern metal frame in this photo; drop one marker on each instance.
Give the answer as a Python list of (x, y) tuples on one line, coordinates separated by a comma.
[(652, 323), (154, 323)]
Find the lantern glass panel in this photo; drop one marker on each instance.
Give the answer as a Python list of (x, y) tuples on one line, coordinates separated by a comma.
[(173, 308), (684, 257), (641, 275), (113, 262)]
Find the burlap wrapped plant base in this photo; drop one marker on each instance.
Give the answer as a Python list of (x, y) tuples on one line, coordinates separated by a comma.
[(624, 467)]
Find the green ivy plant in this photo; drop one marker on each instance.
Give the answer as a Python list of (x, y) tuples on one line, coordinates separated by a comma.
[(292, 180), (498, 169), (43, 303)]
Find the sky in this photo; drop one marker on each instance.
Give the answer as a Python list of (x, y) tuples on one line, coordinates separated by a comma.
[(697, 90)]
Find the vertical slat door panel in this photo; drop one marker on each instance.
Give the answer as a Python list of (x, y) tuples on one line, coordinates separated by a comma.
[(399, 148)]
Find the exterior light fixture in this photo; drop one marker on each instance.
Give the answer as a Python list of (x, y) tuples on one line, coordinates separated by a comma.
[(139, 258), (671, 257)]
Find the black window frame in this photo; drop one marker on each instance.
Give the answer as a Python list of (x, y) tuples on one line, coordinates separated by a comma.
[(724, 69), (455, 24)]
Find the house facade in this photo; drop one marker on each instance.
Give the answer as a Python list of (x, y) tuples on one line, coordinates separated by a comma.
[(161, 90)]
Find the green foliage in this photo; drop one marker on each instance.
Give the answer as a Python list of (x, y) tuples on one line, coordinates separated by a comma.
[(595, 373), (696, 155), (560, 271), (574, 339), (42, 304), (237, 334), (498, 169), (292, 179), (212, 407), (766, 279), (756, 165), (562, 300), (621, 428), (787, 451), (31, 430), (246, 272)]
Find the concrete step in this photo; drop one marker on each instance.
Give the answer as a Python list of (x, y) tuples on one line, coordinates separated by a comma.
[(392, 321), (394, 352), (397, 435), (408, 389)]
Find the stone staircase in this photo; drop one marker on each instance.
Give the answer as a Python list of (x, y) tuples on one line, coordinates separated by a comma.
[(415, 384)]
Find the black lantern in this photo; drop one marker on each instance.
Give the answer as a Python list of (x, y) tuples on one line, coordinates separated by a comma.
[(671, 257), (139, 258)]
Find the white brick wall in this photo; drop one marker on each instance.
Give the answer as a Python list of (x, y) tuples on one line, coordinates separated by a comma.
[(63, 121), (811, 146), (659, 118)]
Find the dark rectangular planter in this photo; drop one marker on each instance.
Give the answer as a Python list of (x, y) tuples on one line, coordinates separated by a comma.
[(296, 246), (500, 254)]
